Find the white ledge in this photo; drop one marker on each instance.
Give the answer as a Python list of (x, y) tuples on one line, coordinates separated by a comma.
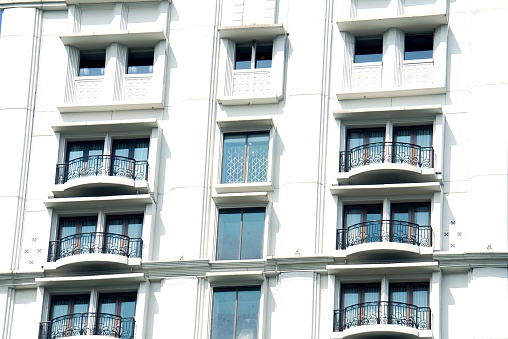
[(241, 123), (133, 39), (410, 23), (374, 269), (385, 189), (125, 201), (388, 112), (251, 32), (91, 280), (76, 2), (241, 198), (249, 100), (236, 276), (106, 126), (244, 187), (124, 105), (403, 91)]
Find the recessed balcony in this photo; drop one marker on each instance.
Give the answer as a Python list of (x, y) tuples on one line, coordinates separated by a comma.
[(98, 325), (94, 248), (101, 175), (383, 319), (385, 238), (410, 162)]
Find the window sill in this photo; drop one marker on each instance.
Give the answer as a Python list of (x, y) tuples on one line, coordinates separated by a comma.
[(247, 187), (123, 201), (81, 107), (378, 25), (251, 32), (402, 91), (249, 100), (233, 199)]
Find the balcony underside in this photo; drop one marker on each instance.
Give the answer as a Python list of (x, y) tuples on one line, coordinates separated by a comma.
[(93, 262), (382, 331), (386, 251), (386, 173), (100, 186)]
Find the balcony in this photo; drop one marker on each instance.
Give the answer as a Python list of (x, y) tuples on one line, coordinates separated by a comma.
[(384, 238), (97, 243), (87, 324), (383, 318), (99, 175), (372, 162)]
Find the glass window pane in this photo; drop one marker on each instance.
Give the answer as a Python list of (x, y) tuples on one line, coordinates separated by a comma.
[(233, 159), (108, 305), (128, 306), (140, 61), (422, 215), (243, 57), (399, 294), (228, 238), (418, 46), (115, 225), (252, 235), (371, 294), (400, 213), (223, 314), (264, 56), (60, 308), (421, 296), (257, 153), (247, 314), (134, 227), (350, 296), (141, 150), (424, 137), (355, 139), (368, 49), (92, 63)]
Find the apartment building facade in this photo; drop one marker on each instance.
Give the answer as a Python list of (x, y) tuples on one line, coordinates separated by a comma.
[(253, 169)]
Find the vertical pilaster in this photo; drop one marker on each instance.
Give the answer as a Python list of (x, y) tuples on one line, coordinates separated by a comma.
[(440, 55), (349, 53), (159, 68), (142, 304), (393, 56), (277, 78), (72, 71), (385, 289), (74, 19), (116, 58), (120, 15)]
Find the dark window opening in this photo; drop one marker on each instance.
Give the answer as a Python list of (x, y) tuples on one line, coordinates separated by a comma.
[(368, 49), (264, 55), (418, 46), (260, 51), (140, 61), (92, 63)]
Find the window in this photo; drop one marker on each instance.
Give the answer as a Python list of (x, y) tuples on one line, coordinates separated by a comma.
[(70, 316), (84, 158), (127, 150), (409, 305), (245, 157), (255, 55), (363, 224), (360, 304), (418, 46), (365, 146), (92, 62), (368, 49), (410, 223), (140, 61), (235, 312), (123, 235), (77, 236), (240, 234), (116, 312)]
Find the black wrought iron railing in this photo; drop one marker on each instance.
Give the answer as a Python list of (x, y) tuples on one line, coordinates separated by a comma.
[(386, 152), (384, 230), (97, 165), (95, 242), (382, 312), (76, 324)]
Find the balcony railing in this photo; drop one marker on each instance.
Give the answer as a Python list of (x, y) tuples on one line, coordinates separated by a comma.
[(97, 243), (384, 231), (382, 312), (97, 165), (102, 324), (386, 153)]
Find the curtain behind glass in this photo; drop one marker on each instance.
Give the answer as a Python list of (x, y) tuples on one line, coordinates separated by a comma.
[(353, 217), (223, 313), (228, 235), (257, 154), (233, 159)]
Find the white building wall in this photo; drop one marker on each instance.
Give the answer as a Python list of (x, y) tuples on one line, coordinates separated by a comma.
[(304, 209)]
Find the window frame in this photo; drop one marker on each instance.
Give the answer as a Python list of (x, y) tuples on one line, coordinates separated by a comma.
[(98, 56), (254, 48), (246, 126), (218, 289), (242, 211)]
